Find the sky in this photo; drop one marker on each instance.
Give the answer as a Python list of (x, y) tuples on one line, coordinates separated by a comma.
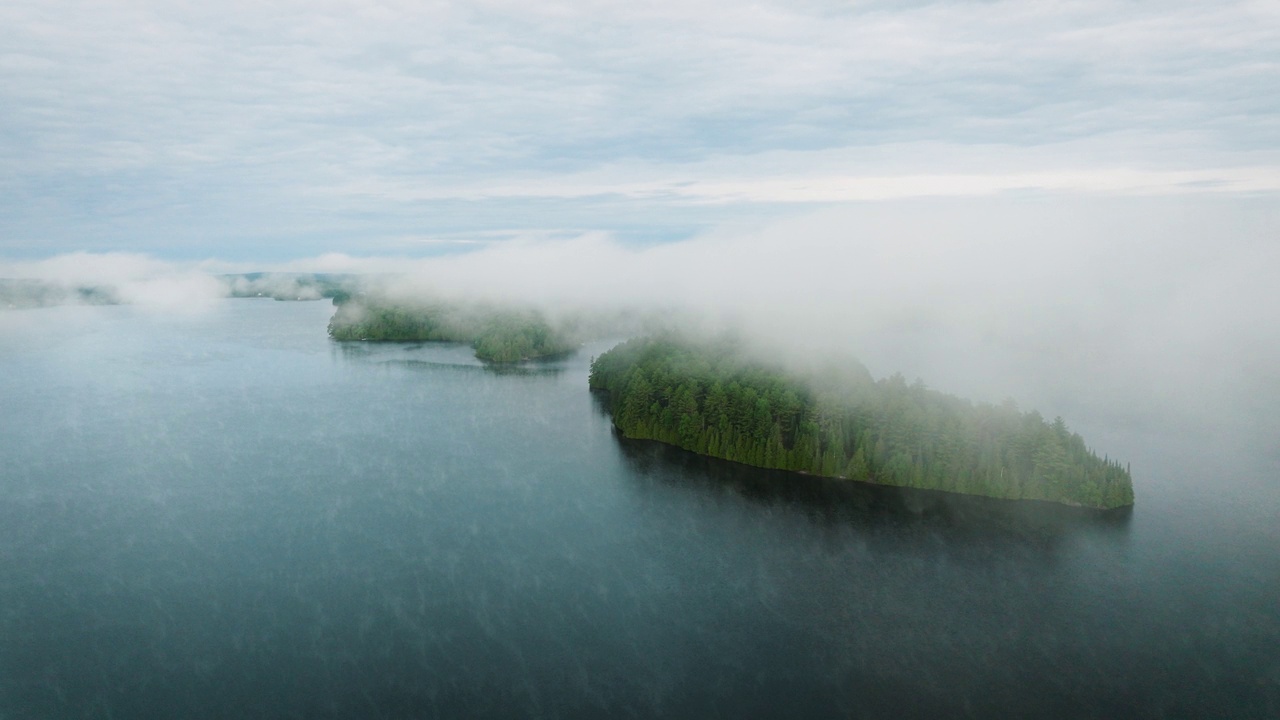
[(265, 133)]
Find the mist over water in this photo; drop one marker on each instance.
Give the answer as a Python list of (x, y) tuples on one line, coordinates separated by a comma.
[(226, 514), (1071, 304)]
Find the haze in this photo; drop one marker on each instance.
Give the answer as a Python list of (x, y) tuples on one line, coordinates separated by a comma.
[(1072, 204)]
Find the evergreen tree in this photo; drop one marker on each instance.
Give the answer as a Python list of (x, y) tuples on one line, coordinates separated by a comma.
[(704, 398)]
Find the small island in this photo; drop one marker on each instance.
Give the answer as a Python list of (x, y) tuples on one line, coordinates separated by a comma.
[(291, 286), (499, 335), (26, 294), (706, 397)]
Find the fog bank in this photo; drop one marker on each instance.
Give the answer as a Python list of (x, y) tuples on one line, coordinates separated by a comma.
[(1074, 305), (1061, 303)]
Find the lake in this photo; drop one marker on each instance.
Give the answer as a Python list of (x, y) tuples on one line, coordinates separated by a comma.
[(228, 515)]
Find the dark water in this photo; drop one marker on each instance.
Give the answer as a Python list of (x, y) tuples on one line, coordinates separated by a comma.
[(230, 516)]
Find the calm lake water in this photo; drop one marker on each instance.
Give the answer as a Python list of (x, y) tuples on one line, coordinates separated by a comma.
[(228, 515)]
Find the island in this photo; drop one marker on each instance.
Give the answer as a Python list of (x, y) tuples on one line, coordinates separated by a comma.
[(291, 286), (712, 398), (498, 334), (24, 293)]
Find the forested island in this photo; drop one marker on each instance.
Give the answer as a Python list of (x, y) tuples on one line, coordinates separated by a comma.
[(708, 398), (30, 293), (291, 286), (500, 335), (37, 293)]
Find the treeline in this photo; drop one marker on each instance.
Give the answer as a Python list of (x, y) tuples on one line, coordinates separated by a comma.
[(27, 293), (292, 286), (498, 335), (705, 398)]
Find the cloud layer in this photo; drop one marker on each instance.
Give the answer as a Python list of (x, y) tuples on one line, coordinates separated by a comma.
[(281, 130)]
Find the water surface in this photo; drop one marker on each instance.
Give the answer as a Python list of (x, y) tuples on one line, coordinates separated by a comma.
[(228, 515)]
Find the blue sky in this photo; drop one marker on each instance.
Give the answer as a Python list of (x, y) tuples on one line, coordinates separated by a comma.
[(251, 131)]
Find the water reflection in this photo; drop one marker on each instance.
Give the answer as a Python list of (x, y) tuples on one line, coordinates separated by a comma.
[(893, 513), (430, 355)]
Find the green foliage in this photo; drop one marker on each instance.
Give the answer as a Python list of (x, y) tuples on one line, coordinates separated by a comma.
[(292, 286), (497, 335), (705, 398)]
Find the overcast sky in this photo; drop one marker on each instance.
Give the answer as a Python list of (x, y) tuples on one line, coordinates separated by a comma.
[(271, 131)]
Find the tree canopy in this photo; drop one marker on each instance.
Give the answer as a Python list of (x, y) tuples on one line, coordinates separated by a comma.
[(498, 335), (705, 397)]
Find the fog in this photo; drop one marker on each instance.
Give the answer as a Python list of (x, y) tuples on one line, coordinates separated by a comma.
[(1075, 305), (135, 279)]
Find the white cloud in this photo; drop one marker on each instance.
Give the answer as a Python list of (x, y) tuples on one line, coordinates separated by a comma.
[(138, 280), (133, 123)]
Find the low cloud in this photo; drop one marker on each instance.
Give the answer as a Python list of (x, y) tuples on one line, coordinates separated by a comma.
[(130, 278), (1080, 306), (1070, 304)]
